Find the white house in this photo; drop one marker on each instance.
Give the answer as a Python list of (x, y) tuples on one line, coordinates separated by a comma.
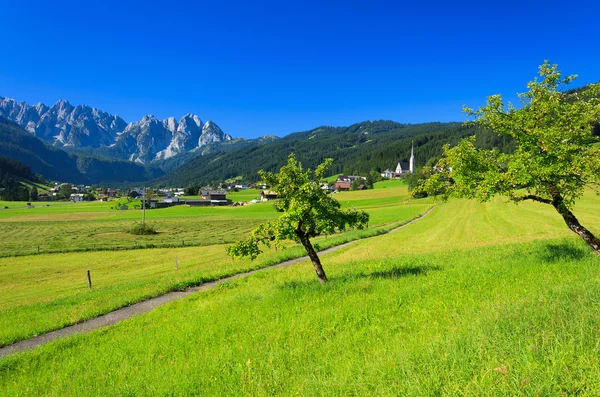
[(389, 174), (170, 199), (77, 197)]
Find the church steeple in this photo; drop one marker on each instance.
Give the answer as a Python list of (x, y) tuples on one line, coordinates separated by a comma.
[(411, 164)]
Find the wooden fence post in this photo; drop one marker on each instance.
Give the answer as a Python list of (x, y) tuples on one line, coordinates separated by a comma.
[(89, 278)]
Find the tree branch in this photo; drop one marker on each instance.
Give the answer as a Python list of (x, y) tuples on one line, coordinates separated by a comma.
[(534, 198)]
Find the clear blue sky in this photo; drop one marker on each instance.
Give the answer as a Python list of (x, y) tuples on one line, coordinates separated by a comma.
[(277, 67)]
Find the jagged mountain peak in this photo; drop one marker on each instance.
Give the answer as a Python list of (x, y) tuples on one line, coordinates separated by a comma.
[(84, 126)]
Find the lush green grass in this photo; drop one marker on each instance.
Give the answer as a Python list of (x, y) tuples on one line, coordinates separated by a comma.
[(48, 291), (390, 183), (244, 195), (332, 178), (475, 299), (73, 227), (30, 184), (24, 238)]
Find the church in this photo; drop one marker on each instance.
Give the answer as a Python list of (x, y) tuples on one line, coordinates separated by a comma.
[(402, 167)]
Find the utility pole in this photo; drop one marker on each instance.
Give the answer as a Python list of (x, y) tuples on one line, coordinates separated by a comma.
[(144, 208)]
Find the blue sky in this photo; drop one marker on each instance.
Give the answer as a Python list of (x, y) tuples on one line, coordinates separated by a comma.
[(260, 67)]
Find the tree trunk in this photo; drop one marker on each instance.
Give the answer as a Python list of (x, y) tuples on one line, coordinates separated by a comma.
[(571, 220), (312, 254)]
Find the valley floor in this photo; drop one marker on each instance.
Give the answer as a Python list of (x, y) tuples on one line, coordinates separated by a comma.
[(474, 299)]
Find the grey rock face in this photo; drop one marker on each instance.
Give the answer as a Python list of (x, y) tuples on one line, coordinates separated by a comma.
[(82, 126), (63, 124)]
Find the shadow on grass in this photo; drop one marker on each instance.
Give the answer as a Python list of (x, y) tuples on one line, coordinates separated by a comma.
[(398, 272), (563, 252), (392, 274)]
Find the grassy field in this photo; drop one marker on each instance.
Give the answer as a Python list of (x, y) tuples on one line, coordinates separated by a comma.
[(92, 226), (474, 299), (64, 227), (39, 293)]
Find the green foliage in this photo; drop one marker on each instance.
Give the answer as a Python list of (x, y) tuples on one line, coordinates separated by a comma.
[(553, 132), (76, 237), (358, 149), (65, 191), (11, 189), (470, 316), (33, 195), (357, 183), (554, 160), (143, 229), (307, 210), (415, 179)]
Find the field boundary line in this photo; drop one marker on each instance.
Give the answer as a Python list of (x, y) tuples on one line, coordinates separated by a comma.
[(145, 306)]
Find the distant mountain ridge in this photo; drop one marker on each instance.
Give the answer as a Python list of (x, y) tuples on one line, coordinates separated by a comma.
[(82, 126), (56, 164)]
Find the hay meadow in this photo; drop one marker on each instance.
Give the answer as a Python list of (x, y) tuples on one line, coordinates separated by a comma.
[(473, 299)]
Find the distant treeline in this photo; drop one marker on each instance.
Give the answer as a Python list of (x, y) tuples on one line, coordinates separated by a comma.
[(11, 174), (356, 150)]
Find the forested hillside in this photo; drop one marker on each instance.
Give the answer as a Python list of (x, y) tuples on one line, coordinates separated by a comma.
[(55, 164), (356, 149), (12, 173)]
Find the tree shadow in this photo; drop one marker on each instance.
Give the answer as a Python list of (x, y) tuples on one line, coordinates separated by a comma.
[(398, 272), (391, 274), (563, 251)]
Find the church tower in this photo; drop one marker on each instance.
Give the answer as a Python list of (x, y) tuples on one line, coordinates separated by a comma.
[(411, 164)]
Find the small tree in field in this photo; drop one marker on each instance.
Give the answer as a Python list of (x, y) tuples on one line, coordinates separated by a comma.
[(33, 195), (308, 211), (554, 161)]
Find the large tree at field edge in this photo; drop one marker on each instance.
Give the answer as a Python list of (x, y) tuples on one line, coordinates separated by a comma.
[(554, 161)]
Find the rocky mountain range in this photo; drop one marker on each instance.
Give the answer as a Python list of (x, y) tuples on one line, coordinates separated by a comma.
[(82, 126)]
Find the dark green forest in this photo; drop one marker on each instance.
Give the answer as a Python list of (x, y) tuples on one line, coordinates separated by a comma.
[(12, 173), (356, 150)]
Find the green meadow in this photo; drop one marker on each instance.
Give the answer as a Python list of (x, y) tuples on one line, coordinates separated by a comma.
[(473, 299), (61, 227), (43, 292)]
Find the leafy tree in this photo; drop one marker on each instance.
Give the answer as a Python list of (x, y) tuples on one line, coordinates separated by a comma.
[(357, 183), (375, 176), (191, 190), (65, 191), (34, 194), (414, 179), (22, 193), (553, 161), (308, 212)]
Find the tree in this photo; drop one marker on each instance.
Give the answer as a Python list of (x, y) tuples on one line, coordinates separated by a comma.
[(22, 193), (357, 183), (308, 211), (375, 176), (34, 194), (554, 160), (65, 191)]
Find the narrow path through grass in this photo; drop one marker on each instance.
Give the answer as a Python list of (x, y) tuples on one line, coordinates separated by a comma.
[(145, 306)]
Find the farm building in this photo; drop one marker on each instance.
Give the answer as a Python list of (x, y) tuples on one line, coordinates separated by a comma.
[(268, 195)]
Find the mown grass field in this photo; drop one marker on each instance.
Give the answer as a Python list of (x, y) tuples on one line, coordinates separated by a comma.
[(69, 227), (39, 293), (475, 299)]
